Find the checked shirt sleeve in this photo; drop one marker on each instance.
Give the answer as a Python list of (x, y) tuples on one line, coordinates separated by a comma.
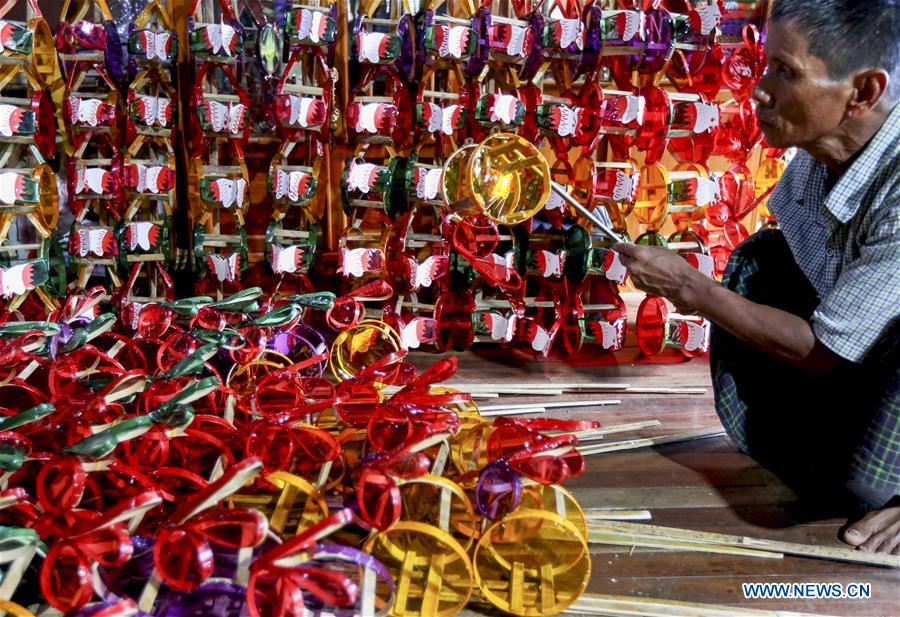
[(865, 303)]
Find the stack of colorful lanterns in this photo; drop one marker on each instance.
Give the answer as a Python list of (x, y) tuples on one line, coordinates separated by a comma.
[(32, 89), (149, 168), (304, 108), (194, 458), (635, 106), (544, 277), (218, 182)]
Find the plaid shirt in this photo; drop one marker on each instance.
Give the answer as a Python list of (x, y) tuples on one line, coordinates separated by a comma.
[(847, 240)]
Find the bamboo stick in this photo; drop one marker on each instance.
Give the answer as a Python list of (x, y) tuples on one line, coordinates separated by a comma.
[(540, 389), (521, 391), (506, 20), (612, 514), (645, 442), (379, 22), (513, 412), (590, 434), (614, 606), (634, 390), (452, 20), (790, 548), (559, 386), (558, 405), (8, 500), (651, 541), (666, 390), (600, 433), (493, 393)]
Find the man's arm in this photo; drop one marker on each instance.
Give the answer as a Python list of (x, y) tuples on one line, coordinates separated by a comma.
[(768, 329), (661, 272)]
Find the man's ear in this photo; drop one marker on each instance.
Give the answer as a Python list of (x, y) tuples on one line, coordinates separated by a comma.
[(869, 87)]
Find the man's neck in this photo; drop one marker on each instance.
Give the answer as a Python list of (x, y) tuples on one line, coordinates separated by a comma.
[(839, 149)]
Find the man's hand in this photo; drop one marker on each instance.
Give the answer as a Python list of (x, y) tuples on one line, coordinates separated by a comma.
[(662, 272)]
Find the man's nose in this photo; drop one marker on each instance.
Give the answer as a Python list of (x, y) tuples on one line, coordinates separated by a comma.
[(761, 94)]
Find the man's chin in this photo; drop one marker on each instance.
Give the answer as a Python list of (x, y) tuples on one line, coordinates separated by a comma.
[(773, 136)]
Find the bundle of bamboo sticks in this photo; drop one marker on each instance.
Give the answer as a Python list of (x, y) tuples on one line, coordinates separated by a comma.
[(638, 534)]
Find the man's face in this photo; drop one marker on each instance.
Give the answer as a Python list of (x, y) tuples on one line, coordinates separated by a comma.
[(798, 104)]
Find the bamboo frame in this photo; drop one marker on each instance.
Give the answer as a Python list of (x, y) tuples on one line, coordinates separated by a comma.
[(211, 13), (155, 83), (308, 75), (43, 61), (73, 11), (20, 87), (42, 215), (211, 169), (282, 161), (91, 81), (156, 13), (150, 151), (449, 75)]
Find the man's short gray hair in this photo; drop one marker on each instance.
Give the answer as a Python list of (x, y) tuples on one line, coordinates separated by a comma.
[(849, 35)]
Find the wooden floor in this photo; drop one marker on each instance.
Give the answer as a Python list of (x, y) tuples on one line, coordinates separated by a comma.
[(705, 485)]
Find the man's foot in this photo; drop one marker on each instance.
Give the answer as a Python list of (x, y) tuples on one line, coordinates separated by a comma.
[(876, 532)]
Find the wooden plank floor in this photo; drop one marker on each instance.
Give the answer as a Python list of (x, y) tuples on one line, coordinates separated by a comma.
[(706, 485)]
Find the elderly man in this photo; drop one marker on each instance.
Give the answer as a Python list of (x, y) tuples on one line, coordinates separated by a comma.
[(804, 349)]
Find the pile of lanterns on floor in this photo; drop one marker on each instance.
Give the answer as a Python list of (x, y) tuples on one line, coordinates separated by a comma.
[(193, 457)]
